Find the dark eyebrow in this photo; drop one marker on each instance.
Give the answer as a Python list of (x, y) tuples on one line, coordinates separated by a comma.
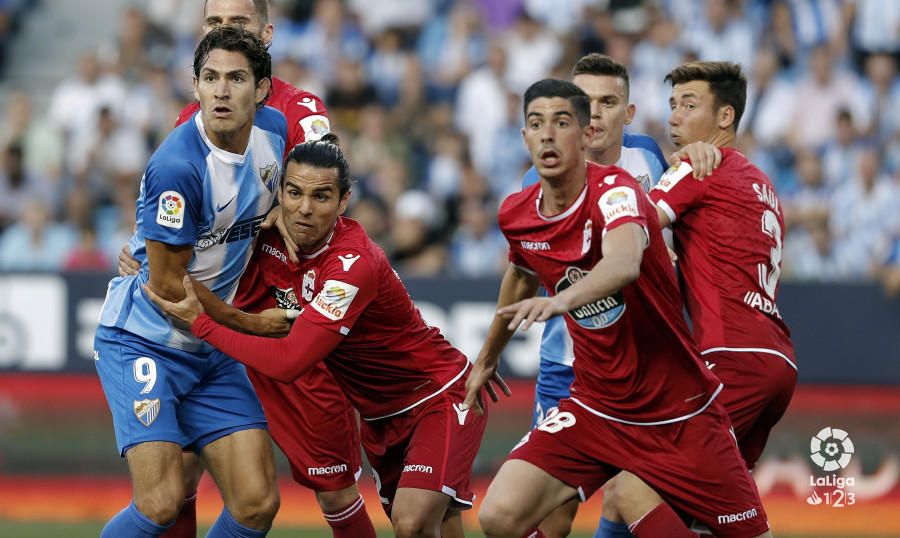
[(229, 73), (560, 113)]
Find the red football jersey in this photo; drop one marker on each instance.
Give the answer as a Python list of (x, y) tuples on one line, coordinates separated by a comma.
[(729, 232), (307, 118), (634, 358), (389, 360)]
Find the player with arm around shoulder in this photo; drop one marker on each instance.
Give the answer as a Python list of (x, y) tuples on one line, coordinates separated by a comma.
[(607, 85), (729, 231), (404, 378), (641, 400)]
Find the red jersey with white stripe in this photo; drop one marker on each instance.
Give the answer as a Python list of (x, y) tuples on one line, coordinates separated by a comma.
[(306, 116), (389, 360), (729, 231), (635, 361)]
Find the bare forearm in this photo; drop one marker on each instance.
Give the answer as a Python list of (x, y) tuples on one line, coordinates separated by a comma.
[(516, 286), (229, 316), (605, 279), (623, 249)]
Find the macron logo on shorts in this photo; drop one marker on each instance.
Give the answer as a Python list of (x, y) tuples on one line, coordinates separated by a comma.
[(735, 518), (332, 469), (418, 469)]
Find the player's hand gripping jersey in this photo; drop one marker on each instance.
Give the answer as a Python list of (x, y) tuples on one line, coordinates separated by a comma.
[(635, 359), (729, 232)]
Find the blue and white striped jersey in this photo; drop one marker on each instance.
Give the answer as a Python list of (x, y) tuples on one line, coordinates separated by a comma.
[(642, 158), (194, 193)]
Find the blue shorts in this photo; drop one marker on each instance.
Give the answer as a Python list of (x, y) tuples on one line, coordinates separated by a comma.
[(157, 393), (553, 384)]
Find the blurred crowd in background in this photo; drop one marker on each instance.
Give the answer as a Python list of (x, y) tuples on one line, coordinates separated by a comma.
[(425, 96)]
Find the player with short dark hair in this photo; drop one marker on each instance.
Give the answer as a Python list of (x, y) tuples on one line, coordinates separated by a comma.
[(729, 231), (168, 390), (642, 400), (293, 411), (605, 81), (405, 379)]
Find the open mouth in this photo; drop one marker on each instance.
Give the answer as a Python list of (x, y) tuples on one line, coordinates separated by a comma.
[(549, 158), (221, 111)]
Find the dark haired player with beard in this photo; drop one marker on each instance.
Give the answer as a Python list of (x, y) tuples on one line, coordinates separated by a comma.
[(642, 400), (404, 378)]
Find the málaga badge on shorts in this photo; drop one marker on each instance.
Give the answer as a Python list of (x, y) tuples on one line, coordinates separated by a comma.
[(146, 410)]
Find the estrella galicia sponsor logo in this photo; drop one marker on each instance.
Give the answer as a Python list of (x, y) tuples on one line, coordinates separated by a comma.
[(740, 516), (146, 411), (286, 299), (596, 315), (327, 470), (418, 469), (240, 230)]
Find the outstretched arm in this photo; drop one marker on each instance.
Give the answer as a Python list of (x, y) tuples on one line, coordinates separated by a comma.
[(168, 266), (517, 284), (283, 359)]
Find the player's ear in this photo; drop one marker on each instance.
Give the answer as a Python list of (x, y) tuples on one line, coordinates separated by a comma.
[(268, 32), (196, 89), (630, 110), (262, 89), (725, 117), (345, 200), (587, 134)]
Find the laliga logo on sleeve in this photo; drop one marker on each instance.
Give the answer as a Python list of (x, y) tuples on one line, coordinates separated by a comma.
[(171, 210), (831, 449)]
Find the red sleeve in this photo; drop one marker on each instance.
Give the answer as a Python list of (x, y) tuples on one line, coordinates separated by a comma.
[(284, 359), (186, 113), (618, 202), (349, 283), (678, 191), (253, 292), (515, 258), (307, 118)]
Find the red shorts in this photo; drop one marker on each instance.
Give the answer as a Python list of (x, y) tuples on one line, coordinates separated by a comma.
[(314, 425), (432, 446), (758, 389), (694, 464)]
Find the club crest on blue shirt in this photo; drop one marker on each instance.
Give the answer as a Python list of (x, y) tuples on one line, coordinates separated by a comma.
[(146, 411), (269, 176)]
